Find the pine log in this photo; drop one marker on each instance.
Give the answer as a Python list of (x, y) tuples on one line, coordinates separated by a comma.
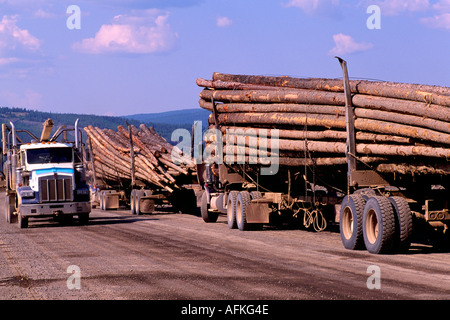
[(422, 93), (328, 121), (303, 96), (313, 135), (339, 147)]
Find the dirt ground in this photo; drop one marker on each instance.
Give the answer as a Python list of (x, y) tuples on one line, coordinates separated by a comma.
[(174, 256)]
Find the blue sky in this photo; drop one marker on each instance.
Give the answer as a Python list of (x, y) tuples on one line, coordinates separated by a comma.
[(141, 56)]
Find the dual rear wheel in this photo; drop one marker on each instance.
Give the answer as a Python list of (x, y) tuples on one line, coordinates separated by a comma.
[(237, 207), (377, 223)]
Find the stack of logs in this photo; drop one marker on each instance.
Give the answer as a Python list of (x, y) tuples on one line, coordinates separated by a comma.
[(156, 162), (402, 128)]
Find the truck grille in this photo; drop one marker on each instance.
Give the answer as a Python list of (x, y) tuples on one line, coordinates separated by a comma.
[(52, 190)]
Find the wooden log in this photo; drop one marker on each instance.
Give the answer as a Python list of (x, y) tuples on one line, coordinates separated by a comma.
[(299, 96), (412, 169), (415, 92), (339, 148), (273, 107), (314, 135), (303, 96), (334, 110), (328, 121)]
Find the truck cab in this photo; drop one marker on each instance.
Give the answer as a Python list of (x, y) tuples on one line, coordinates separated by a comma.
[(45, 178)]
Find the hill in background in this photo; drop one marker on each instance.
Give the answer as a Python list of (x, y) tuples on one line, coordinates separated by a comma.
[(164, 123), (177, 117)]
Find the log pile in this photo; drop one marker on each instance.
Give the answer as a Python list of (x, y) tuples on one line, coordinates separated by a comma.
[(402, 128), (156, 162)]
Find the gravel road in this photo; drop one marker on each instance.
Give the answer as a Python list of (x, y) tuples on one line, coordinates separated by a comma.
[(179, 257)]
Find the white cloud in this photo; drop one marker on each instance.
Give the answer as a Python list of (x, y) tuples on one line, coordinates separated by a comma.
[(437, 21), (442, 6), (441, 19), (144, 32), (26, 99), (344, 44), (9, 60), (223, 22), (316, 7), (42, 14), (396, 7), (12, 37)]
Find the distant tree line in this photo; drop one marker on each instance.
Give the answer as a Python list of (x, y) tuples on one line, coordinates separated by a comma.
[(32, 121)]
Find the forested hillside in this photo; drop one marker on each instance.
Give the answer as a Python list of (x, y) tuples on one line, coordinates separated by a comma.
[(32, 121)]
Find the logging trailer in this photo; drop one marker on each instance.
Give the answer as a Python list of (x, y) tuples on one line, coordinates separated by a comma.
[(126, 183), (44, 177), (376, 211)]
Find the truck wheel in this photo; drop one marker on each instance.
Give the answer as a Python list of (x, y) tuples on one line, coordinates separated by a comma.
[(404, 223), (102, 201), (231, 209), (378, 225), (242, 202), (9, 208), (23, 221), (83, 218), (255, 195), (137, 202), (206, 214), (350, 222), (132, 202)]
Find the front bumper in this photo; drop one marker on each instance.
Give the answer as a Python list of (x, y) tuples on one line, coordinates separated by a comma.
[(55, 208)]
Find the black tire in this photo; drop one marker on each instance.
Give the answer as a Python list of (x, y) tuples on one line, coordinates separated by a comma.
[(350, 222), (255, 195), (379, 225), (23, 221), (83, 218), (206, 214), (9, 209), (242, 202), (231, 209), (366, 193), (102, 200), (403, 222), (133, 202), (137, 201)]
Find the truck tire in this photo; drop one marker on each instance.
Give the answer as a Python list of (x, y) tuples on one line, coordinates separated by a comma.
[(378, 225), (102, 200), (350, 222), (206, 214), (83, 218), (255, 195), (137, 201), (403, 222), (23, 221), (133, 202), (9, 208), (242, 202), (231, 209)]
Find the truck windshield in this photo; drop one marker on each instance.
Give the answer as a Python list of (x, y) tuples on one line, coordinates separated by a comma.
[(49, 155)]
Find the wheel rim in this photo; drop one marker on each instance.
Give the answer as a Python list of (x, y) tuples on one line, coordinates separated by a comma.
[(347, 223), (372, 226), (239, 212), (230, 210)]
